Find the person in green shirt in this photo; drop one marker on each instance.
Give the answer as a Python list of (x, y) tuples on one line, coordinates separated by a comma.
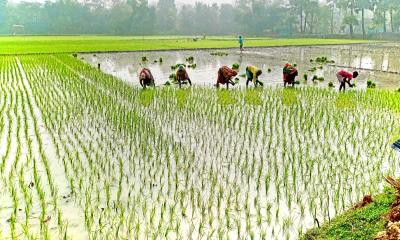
[(241, 43)]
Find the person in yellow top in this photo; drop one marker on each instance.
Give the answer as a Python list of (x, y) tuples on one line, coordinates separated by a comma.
[(252, 74)]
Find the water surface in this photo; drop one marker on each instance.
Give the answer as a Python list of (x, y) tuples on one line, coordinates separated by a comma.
[(377, 62)]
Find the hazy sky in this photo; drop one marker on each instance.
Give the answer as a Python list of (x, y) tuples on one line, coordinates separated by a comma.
[(152, 1)]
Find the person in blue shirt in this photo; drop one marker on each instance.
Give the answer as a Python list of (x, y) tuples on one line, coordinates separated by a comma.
[(241, 43)]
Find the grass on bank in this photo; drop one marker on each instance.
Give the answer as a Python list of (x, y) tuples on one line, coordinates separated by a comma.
[(70, 44), (364, 223)]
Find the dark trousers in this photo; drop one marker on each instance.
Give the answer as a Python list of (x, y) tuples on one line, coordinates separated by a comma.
[(343, 85)]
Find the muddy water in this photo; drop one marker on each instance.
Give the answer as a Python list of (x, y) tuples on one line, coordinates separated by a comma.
[(377, 62)]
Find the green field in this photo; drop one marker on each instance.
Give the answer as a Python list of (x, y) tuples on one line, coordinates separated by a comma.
[(86, 156), (83, 155), (71, 44)]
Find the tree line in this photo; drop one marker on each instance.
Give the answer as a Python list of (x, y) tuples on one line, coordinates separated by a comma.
[(250, 17)]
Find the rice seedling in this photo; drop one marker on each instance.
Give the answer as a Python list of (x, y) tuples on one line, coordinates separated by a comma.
[(371, 84), (236, 66), (219, 54), (95, 158), (190, 59), (313, 69)]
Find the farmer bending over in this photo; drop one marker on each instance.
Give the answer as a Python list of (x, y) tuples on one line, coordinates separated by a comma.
[(345, 77), (225, 75), (182, 76), (289, 74), (146, 78), (253, 73)]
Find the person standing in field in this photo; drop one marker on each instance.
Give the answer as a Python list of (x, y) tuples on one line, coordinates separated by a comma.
[(146, 78), (225, 75), (241, 43), (345, 77), (182, 76), (252, 74), (289, 74)]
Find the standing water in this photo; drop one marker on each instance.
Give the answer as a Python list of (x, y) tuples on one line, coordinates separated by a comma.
[(379, 64)]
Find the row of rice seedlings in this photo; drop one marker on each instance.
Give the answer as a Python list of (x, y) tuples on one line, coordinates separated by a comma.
[(355, 159), (202, 169), (22, 111)]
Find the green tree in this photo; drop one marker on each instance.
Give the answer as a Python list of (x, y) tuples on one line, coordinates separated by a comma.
[(298, 7), (226, 19), (361, 6), (142, 20), (242, 15), (350, 19), (394, 8), (381, 8), (312, 13), (186, 20), (332, 5), (166, 16)]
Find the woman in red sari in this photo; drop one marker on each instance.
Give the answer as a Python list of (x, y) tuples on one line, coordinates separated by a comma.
[(182, 76), (289, 75), (225, 75)]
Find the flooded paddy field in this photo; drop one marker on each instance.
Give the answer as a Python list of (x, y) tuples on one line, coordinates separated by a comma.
[(378, 63), (87, 156)]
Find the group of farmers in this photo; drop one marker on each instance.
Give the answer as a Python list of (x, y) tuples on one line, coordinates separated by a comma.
[(226, 74)]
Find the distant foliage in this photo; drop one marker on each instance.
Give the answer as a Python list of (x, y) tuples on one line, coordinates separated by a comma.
[(139, 17)]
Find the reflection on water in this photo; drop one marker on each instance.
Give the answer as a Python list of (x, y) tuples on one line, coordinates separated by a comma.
[(379, 63)]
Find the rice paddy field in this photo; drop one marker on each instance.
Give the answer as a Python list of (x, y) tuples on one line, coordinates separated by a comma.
[(73, 44), (86, 155), (377, 62)]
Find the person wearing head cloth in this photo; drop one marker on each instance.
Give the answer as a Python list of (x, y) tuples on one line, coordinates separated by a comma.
[(182, 76), (289, 74), (225, 75), (146, 78)]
